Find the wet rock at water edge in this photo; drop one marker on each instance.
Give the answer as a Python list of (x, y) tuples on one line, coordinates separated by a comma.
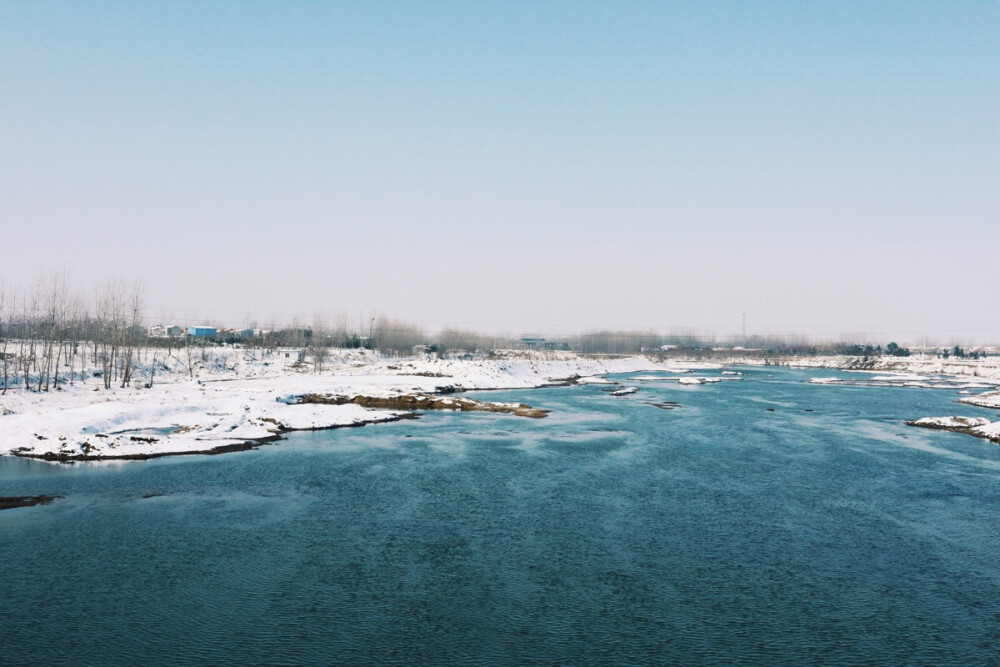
[(13, 502)]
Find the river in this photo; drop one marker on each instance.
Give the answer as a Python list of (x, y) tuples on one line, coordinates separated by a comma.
[(766, 520)]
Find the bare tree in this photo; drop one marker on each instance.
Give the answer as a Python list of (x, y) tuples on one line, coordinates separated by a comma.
[(395, 337), (28, 337), (5, 331), (74, 333), (615, 342), (319, 345), (133, 331), (338, 331), (187, 340), (56, 316), (450, 339), (111, 317)]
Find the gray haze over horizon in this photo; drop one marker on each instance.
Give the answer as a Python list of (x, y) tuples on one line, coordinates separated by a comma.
[(829, 169)]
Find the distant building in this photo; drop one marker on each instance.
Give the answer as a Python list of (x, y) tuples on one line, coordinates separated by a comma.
[(289, 356), (231, 335), (421, 349), (202, 332), (542, 344), (160, 331)]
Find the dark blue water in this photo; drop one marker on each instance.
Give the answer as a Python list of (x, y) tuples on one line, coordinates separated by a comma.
[(611, 532)]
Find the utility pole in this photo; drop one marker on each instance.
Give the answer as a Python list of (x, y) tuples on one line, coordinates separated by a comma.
[(744, 343)]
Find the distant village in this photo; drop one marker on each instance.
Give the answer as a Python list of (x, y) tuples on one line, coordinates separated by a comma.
[(459, 344), (384, 340), (208, 333)]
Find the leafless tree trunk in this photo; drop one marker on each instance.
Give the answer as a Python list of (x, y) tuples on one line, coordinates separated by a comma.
[(111, 328), (5, 332), (319, 347), (132, 333), (28, 337), (59, 302), (152, 369)]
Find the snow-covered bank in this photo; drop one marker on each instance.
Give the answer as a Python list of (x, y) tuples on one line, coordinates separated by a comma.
[(985, 370), (979, 427), (988, 400), (236, 399), (225, 399), (963, 375)]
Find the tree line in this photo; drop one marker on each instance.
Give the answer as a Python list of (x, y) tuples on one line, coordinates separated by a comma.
[(51, 335), (48, 333)]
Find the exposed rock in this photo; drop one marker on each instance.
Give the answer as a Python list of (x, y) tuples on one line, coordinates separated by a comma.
[(421, 402), (14, 502), (665, 405)]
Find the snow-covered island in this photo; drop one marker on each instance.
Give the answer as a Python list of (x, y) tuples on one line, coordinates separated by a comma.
[(236, 398), (976, 426), (990, 399)]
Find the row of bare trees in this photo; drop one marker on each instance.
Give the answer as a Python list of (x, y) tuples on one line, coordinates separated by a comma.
[(385, 335), (50, 335), (46, 330)]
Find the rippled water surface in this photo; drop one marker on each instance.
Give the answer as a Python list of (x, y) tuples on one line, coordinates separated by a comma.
[(611, 532)]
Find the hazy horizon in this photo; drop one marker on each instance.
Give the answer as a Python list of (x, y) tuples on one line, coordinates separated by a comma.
[(829, 169)]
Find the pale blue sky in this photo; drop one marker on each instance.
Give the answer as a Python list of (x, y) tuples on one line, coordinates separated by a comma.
[(825, 167)]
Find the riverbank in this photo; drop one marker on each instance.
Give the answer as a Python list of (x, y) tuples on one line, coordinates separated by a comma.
[(979, 427), (237, 400), (232, 399), (986, 369)]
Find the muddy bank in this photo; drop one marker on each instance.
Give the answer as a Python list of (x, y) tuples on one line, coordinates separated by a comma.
[(421, 402)]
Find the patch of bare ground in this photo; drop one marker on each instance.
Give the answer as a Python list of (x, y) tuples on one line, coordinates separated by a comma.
[(426, 374), (423, 402)]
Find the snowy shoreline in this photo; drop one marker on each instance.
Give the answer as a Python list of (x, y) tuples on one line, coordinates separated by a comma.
[(979, 427), (237, 399), (240, 400)]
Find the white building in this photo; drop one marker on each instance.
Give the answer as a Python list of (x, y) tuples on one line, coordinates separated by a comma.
[(289, 355)]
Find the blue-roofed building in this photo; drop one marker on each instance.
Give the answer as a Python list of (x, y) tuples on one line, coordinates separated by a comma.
[(202, 332)]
